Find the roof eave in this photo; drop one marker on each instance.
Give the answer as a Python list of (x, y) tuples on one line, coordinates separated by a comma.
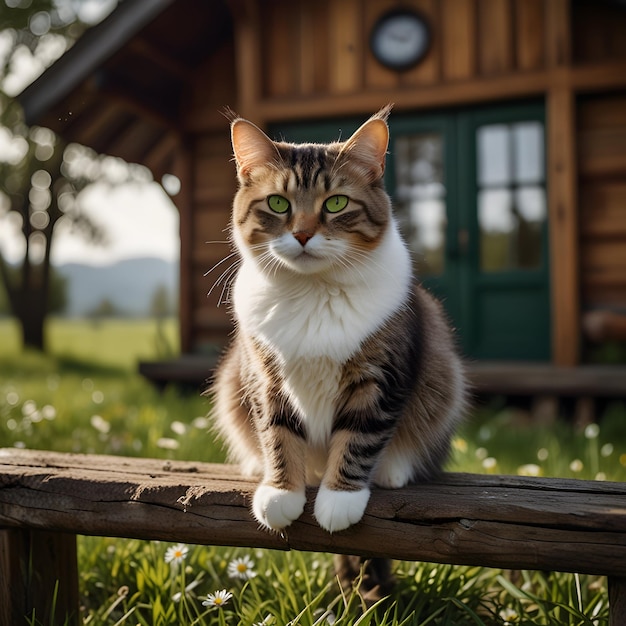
[(96, 46)]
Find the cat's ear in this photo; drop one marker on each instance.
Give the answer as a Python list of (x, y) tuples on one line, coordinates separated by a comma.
[(368, 145), (252, 147)]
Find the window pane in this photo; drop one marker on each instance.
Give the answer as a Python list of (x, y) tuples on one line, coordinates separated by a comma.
[(529, 157), (511, 228), (420, 199), (494, 155)]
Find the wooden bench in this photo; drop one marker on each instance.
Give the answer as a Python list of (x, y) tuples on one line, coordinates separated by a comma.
[(48, 498)]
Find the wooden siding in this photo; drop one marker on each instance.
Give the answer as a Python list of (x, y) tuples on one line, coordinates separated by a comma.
[(322, 48), (602, 163)]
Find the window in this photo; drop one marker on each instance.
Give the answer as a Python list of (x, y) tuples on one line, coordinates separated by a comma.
[(511, 195)]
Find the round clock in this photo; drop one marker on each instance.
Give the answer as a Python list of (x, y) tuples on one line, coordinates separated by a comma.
[(400, 39)]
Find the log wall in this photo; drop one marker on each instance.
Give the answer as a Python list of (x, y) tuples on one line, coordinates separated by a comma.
[(602, 166)]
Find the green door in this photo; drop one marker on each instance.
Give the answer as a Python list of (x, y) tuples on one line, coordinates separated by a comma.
[(469, 191)]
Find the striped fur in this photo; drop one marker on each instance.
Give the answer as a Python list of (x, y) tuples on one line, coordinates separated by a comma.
[(342, 371)]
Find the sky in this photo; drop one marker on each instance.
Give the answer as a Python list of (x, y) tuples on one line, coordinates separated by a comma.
[(139, 218)]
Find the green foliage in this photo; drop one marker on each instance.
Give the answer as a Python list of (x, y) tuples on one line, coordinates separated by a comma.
[(70, 405)]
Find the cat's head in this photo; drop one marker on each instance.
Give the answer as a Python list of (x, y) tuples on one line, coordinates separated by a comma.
[(310, 207)]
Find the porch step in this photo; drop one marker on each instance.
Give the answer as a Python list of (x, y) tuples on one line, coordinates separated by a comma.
[(486, 377)]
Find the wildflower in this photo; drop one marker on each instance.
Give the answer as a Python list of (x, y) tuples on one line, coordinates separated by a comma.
[(100, 424), (264, 622), (97, 397), (242, 567), (576, 465), (530, 469), (592, 431), (179, 594), (509, 616), (460, 445), (481, 453), (167, 443), (606, 450), (542, 454), (218, 599), (48, 412), (28, 408), (490, 463), (201, 423), (176, 554), (178, 427)]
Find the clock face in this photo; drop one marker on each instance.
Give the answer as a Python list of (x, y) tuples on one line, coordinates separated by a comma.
[(400, 39)]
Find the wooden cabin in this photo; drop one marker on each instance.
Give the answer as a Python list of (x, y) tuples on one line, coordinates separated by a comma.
[(507, 161)]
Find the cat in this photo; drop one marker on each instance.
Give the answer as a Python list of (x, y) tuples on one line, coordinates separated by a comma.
[(342, 371)]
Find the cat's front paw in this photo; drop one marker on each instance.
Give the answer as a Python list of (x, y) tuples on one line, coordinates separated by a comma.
[(336, 510), (276, 508)]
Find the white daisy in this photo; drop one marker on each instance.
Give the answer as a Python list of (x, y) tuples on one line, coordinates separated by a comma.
[(242, 567), (509, 616), (218, 599), (176, 554)]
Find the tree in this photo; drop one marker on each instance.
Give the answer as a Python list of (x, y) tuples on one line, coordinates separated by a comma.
[(40, 176)]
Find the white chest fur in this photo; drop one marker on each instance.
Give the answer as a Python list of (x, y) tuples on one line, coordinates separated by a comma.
[(315, 323)]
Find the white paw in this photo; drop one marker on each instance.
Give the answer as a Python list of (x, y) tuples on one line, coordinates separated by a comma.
[(277, 508), (393, 473), (336, 510)]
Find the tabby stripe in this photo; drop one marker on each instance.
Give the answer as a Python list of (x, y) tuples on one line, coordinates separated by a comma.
[(286, 418), (363, 423)]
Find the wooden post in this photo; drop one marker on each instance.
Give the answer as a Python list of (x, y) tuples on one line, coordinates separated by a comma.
[(563, 219), (38, 577), (617, 601), (562, 177)]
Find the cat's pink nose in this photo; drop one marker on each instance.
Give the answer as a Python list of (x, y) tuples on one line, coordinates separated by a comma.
[(302, 237)]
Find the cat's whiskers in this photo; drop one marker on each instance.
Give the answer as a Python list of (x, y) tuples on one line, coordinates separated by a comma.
[(227, 276)]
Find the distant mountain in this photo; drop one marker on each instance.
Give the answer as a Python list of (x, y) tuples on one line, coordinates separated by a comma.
[(129, 285)]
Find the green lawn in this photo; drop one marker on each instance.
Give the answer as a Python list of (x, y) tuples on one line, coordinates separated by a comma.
[(116, 342), (87, 397)]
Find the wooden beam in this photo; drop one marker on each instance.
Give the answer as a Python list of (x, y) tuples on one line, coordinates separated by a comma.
[(417, 97), (563, 225), (588, 78), (166, 62), (493, 521)]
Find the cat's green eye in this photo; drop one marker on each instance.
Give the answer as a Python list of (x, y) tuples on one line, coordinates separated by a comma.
[(334, 204), (278, 204)]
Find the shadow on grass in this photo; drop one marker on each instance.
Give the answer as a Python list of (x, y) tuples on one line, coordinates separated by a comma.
[(33, 363)]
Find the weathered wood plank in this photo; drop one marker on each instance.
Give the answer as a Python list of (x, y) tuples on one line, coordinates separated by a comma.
[(495, 521)]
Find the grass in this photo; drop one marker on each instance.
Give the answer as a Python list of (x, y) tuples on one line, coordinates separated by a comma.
[(63, 403), (116, 342)]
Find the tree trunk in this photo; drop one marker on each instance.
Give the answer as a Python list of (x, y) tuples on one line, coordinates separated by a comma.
[(32, 322)]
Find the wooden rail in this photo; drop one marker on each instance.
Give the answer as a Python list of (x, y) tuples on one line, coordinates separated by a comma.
[(47, 498)]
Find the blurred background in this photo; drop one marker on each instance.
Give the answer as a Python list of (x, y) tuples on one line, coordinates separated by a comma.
[(506, 166), (507, 169)]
